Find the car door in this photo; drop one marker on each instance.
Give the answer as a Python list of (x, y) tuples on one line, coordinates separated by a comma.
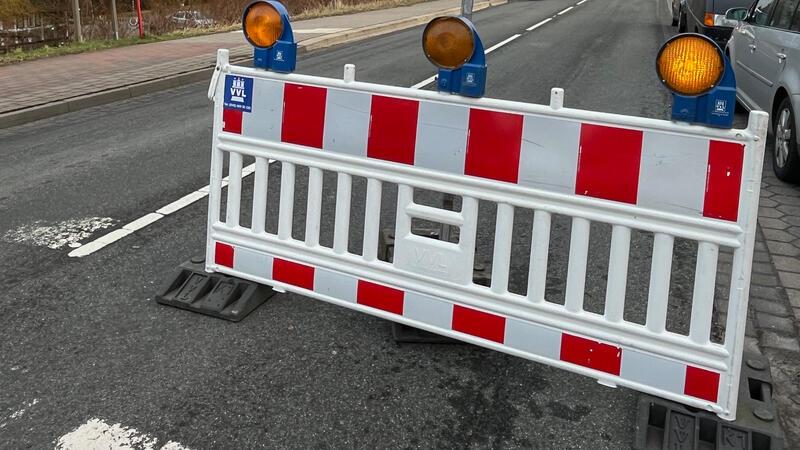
[(771, 52), (749, 81)]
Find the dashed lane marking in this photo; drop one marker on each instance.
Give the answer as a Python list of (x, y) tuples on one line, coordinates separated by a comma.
[(565, 11)]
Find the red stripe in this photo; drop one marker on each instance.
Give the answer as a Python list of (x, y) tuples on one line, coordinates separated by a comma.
[(724, 180), (303, 115), (608, 163), (380, 297), (592, 354), (223, 255), (232, 120), (478, 323), (392, 129), (493, 144), (701, 383), (293, 273)]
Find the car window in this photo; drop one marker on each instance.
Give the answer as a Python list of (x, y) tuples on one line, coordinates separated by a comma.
[(782, 17), (762, 11)]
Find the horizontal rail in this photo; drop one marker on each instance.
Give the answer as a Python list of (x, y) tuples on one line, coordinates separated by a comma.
[(739, 135), (435, 214), (666, 344), (698, 229)]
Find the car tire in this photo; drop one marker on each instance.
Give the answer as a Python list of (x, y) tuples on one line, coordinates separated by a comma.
[(681, 21), (785, 156)]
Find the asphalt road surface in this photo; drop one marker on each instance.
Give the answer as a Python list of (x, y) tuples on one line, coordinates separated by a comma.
[(83, 339)]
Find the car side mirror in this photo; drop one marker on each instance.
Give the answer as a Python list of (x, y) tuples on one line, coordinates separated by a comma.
[(737, 14)]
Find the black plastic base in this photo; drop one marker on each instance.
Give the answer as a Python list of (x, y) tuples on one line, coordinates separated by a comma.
[(410, 335), (663, 424), (213, 294)]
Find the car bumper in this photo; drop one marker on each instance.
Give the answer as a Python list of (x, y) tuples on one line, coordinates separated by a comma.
[(720, 35)]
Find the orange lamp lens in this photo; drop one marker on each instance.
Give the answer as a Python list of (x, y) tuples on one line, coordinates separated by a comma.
[(708, 19), (690, 65), (448, 42), (262, 24)]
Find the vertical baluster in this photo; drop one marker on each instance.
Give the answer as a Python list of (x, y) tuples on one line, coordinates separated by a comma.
[(286, 210), (372, 219), (576, 270), (260, 195), (540, 246), (234, 190), (314, 206), (341, 230), (501, 260), (660, 271), (617, 272), (705, 277)]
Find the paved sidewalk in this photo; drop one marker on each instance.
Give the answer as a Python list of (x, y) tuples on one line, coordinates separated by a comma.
[(35, 83)]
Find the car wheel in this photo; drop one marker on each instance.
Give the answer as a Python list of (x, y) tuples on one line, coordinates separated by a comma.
[(785, 159), (681, 22)]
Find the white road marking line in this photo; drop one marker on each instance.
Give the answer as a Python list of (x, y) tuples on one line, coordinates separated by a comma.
[(96, 434), (57, 235), (424, 82), (531, 28), (581, 2), (500, 44), (148, 219), (565, 11)]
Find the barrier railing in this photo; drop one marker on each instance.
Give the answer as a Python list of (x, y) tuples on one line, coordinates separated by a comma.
[(636, 175)]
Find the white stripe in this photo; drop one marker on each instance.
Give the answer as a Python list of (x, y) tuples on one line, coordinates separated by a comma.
[(580, 2), (532, 338), (264, 121), (347, 116), (424, 82), (549, 154), (336, 285), (142, 222), (252, 262), (182, 202), (566, 10), (531, 28), (651, 370), (442, 137), (500, 44), (429, 310), (672, 173)]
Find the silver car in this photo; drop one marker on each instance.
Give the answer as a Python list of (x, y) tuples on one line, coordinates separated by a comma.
[(765, 53)]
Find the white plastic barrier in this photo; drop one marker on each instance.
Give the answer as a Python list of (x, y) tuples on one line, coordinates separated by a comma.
[(672, 180)]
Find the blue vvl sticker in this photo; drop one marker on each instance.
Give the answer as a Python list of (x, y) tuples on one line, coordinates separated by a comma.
[(238, 93), (721, 107)]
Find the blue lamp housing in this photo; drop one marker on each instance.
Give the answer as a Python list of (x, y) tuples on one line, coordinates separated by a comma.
[(282, 55), (470, 79), (716, 107)]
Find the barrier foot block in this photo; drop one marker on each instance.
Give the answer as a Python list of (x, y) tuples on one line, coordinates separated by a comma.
[(663, 424), (213, 294), (409, 335)]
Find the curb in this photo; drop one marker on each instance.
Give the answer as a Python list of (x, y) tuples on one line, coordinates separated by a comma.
[(19, 117)]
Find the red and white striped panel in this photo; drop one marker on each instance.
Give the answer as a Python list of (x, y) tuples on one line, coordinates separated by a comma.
[(540, 341), (653, 169)]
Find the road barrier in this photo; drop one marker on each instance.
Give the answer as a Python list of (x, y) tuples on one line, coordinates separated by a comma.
[(676, 181)]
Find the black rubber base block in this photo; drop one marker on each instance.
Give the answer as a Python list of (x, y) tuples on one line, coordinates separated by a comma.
[(213, 294), (663, 424)]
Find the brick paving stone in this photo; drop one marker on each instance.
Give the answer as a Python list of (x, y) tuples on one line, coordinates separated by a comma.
[(790, 280), (777, 235), (765, 292), (770, 307), (768, 202), (786, 264), (788, 209), (794, 297), (783, 248), (775, 340), (784, 189), (796, 314), (764, 280), (777, 224), (792, 199), (751, 345), (792, 220), (775, 323), (761, 257), (769, 212), (794, 231), (762, 267)]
